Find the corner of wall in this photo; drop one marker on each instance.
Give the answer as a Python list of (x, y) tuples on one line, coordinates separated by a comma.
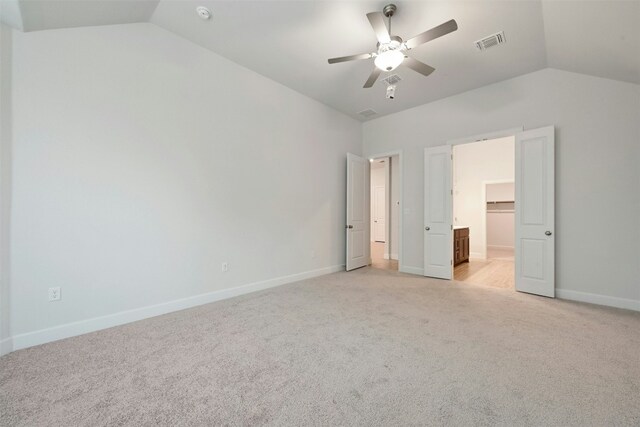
[(5, 184), (11, 14)]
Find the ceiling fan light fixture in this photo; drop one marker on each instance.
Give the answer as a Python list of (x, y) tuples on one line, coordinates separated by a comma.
[(389, 60)]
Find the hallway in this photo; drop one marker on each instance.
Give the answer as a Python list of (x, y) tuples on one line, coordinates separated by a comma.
[(377, 258)]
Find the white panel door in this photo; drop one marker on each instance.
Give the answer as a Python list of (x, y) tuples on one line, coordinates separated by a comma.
[(535, 267), (438, 208), (379, 220), (358, 189)]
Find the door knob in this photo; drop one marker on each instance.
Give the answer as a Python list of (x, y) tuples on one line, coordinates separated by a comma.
[(427, 228), (548, 233), (349, 226)]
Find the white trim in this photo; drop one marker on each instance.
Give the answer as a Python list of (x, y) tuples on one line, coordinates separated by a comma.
[(393, 256), (6, 346), (626, 303), (477, 255), (411, 270), (385, 256), (500, 247), (486, 136), (97, 323), (387, 207)]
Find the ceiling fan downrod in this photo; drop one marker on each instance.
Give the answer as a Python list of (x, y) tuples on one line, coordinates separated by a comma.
[(388, 11)]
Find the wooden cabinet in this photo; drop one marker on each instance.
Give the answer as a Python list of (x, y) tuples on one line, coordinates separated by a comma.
[(460, 245)]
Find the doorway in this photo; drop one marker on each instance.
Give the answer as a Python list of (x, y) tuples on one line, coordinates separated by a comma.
[(534, 209), (385, 210), (484, 212)]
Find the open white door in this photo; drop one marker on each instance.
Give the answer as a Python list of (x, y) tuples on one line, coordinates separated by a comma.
[(379, 214), (358, 207), (535, 267), (438, 231)]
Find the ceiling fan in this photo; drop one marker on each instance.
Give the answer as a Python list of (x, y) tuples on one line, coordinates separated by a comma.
[(392, 50)]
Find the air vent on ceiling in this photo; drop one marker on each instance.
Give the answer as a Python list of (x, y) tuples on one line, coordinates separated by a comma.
[(392, 79), (368, 113), (491, 41)]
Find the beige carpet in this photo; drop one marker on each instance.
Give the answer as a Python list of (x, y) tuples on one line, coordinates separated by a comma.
[(370, 347)]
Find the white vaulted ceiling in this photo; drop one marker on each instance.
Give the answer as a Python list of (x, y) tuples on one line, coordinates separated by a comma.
[(51, 14), (290, 41)]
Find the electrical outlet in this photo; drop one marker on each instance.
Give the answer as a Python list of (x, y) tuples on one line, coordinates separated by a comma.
[(54, 294), (225, 267)]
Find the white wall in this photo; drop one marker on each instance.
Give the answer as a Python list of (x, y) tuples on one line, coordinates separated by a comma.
[(501, 192), (394, 198), (597, 157), (501, 230), (141, 162), (501, 222), (5, 180), (473, 165)]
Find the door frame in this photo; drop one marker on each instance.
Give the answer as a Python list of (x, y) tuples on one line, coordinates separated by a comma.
[(512, 132), (390, 154), (487, 136), (502, 133)]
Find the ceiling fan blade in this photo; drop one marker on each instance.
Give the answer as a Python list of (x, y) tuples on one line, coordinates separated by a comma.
[(350, 58), (418, 66), (373, 77), (434, 33), (376, 19)]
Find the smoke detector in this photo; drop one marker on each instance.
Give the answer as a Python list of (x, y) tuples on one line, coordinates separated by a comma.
[(203, 12), (490, 41)]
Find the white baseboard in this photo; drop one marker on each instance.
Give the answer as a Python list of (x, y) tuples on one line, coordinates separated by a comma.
[(500, 247), (6, 346), (629, 304), (68, 330), (477, 255), (411, 270), (393, 256), (385, 256)]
